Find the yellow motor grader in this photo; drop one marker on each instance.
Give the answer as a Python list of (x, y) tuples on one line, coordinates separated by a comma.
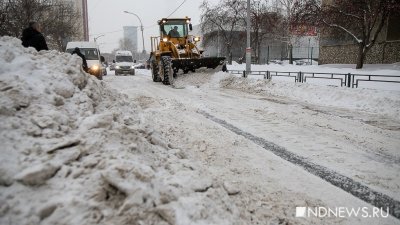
[(176, 50)]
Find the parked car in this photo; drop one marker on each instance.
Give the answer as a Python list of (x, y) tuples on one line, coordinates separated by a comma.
[(302, 62), (112, 66), (92, 55), (140, 66), (276, 61)]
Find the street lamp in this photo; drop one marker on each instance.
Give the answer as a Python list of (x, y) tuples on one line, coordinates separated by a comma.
[(141, 27), (248, 49), (95, 38)]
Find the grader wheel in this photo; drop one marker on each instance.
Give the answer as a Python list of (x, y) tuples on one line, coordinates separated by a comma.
[(166, 70), (155, 72)]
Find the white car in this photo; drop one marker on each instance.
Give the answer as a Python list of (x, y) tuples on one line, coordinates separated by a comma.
[(124, 63)]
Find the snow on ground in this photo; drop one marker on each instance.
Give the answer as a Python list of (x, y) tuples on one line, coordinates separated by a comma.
[(379, 102), (74, 151), (373, 69), (126, 150), (349, 141), (333, 70)]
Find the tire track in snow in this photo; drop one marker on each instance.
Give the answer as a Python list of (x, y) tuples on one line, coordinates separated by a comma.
[(347, 184)]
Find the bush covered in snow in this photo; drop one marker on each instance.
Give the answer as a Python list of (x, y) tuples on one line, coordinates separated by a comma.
[(74, 151)]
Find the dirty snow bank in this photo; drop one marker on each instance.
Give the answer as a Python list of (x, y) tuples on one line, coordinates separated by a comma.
[(75, 151), (201, 77), (384, 103)]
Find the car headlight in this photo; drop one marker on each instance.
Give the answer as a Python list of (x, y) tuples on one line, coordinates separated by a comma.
[(197, 39), (95, 67), (116, 67), (132, 67), (165, 39)]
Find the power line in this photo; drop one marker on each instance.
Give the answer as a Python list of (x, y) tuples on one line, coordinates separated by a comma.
[(150, 26), (176, 8), (108, 32)]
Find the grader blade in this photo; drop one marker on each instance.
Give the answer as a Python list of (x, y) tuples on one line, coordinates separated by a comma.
[(192, 64)]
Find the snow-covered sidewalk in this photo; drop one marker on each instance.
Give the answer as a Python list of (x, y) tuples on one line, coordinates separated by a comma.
[(387, 75), (342, 139)]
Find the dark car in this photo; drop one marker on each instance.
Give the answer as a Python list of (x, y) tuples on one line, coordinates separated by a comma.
[(140, 66)]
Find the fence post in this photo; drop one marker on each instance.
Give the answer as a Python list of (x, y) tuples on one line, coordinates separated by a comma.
[(268, 54), (265, 75), (268, 75), (299, 77), (348, 80), (311, 55)]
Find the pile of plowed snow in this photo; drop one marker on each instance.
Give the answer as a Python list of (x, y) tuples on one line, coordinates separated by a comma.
[(380, 102), (74, 151), (200, 77)]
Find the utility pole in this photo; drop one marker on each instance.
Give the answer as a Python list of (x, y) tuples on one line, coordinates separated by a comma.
[(248, 49), (309, 45), (218, 49)]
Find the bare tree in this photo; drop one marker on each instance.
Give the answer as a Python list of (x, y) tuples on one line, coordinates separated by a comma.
[(61, 23), (286, 32), (362, 20), (263, 24), (225, 17), (16, 14), (287, 7), (58, 18), (126, 44)]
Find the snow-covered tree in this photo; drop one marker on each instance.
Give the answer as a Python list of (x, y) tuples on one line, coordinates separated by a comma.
[(225, 17), (263, 23), (58, 18), (362, 20)]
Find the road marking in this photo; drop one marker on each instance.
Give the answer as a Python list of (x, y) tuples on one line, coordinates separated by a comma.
[(347, 184)]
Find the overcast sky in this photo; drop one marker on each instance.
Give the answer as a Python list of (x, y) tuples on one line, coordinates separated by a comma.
[(107, 17)]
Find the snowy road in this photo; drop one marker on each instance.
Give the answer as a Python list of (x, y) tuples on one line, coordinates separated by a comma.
[(352, 144)]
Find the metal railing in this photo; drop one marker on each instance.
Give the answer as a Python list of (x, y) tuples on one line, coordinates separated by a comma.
[(345, 79)]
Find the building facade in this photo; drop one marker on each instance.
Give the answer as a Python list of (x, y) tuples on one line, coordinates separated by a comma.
[(82, 7), (304, 46)]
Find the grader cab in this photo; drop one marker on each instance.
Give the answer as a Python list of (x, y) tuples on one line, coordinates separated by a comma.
[(176, 50)]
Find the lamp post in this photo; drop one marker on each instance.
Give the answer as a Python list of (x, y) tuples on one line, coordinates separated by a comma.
[(141, 27), (309, 45), (95, 38), (248, 49)]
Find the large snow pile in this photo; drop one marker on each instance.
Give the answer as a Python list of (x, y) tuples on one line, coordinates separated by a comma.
[(74, 151), (383, 103), (201, 77)]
